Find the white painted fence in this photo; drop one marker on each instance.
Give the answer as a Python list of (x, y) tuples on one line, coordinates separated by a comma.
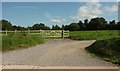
[(44, 33)]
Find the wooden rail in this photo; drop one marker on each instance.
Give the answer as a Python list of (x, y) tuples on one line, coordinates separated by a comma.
[(44, 33)]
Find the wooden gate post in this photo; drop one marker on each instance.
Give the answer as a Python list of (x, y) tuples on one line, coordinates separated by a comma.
[(63, 34)]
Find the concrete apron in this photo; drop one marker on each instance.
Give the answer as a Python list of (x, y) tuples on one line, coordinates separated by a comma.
[(56, 68)]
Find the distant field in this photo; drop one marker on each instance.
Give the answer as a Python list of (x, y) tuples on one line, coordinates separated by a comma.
[(94, 35), (18, 41)]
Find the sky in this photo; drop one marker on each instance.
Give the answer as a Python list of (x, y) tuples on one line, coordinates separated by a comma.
[(60, 0), (52, 13)]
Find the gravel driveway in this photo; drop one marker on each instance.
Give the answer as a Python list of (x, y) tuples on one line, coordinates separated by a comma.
[(55, 53)]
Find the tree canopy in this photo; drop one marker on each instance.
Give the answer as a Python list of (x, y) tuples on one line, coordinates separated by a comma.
[(98, 23)]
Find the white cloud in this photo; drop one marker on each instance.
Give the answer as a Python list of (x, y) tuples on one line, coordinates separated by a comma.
[(89, 10), (94, 9), (89, 0), (118, 0), (57, 20), (111, 9)]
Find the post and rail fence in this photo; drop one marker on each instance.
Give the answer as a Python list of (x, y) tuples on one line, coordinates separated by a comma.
[(44, 33)]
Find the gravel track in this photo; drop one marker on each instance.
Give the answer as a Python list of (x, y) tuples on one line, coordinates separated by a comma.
[(55, 53)]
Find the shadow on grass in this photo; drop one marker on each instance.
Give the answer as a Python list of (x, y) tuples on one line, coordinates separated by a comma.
[(108, 49)]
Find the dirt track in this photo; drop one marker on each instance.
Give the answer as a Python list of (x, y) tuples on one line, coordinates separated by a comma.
[(55, 53)]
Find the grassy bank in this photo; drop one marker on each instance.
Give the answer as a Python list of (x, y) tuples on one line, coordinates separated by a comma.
[(108, 49), (94, 35), (107, 45), (18, 41)]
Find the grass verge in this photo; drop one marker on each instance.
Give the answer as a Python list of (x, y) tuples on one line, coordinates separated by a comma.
[(18, 41), (107, 45), (108, 49)]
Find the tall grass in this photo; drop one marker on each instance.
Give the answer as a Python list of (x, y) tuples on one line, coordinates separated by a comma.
[(18, 41), (108, 49)]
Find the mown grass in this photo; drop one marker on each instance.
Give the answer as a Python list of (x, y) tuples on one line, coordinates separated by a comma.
[(107, 45), (94, 35), (108, 49), (18, 41)]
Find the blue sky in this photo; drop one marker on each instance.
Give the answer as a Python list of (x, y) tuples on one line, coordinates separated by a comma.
[(52, 13), (60, 0)]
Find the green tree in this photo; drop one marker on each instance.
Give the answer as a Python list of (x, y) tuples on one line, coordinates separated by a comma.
[(56, 27), (6, 25), (118, 25), (97, 24), (86, 23), (81, 25), (66, 27), (73, 27), (40, 26), (14, 27), (112, 22), (112, 25)]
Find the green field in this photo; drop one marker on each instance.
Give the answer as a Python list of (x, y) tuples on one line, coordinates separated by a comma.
[(18, 41), (94, 35), (107, 45)]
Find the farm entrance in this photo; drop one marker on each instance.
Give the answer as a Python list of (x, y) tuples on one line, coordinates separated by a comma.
[(44, 33), (54, 33)]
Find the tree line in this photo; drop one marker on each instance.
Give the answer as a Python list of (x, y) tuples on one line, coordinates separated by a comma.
[(98, 23)]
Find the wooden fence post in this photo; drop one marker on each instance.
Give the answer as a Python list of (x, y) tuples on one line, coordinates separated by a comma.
[(15, 31), (63, 34), (6, 32), (68, 33), (28, 31), (41, 32)]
